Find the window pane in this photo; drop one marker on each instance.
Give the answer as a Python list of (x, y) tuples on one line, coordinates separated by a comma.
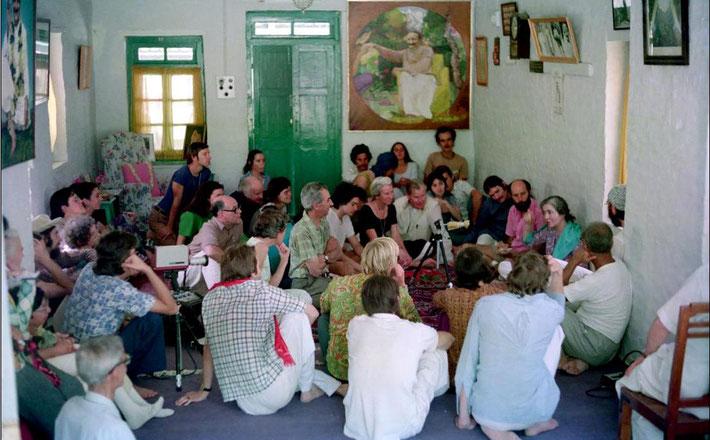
[(272, 28), (181, 86), (157, 131), (183, 112), (152, 86), (180, 54), (178, 136), (154, 112), (301, 28), (151, 54)]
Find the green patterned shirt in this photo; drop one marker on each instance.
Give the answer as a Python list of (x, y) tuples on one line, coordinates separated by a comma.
[(307, 241)]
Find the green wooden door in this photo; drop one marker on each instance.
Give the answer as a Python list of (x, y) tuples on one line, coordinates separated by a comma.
[(316, 115), (295, 102), (272, 130)]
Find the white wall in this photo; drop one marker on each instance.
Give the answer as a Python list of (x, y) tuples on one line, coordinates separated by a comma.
[(516, 133), (221, 24), (666, 203)]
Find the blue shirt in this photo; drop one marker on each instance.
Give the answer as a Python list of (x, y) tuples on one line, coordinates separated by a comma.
[(501, 367), (492, 218), (189, 183), (99, 303)]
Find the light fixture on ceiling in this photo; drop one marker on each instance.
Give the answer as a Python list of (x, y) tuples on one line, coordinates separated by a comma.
[(302, 4)]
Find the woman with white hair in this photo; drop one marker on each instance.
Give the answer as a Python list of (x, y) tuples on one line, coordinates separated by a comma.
[(378, 218), (341, 302)]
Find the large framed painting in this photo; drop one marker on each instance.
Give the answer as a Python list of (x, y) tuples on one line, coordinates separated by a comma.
[(409, 65), (665, 32), (18, 81)]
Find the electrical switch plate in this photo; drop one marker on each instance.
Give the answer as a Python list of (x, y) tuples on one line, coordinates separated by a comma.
[(225, 87)]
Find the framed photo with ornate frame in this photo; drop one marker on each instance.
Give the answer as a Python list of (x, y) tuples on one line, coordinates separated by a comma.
[(409, 65), (554, 40), (665, 32), (506, 12)]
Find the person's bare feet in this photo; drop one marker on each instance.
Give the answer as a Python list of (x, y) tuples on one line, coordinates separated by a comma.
[(313, 394), (342, 389), (541, 427), (466, 423), (575, 367), (145, 393), (499, 435)]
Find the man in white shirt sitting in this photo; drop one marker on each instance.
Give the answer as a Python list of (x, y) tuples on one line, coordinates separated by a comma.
[(392, 384), (599, 304), (417, 215), (101, 363)]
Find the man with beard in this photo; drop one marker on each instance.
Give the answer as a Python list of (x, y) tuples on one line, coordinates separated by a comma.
[(616, 203), (525, 209)]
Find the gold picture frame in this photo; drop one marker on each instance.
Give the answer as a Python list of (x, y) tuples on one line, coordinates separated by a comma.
[(481, 61), (84, 67), (554, 40)]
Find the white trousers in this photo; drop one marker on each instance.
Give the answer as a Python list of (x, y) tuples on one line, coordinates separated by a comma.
[(416, 92), (296, 332), (432, 381)]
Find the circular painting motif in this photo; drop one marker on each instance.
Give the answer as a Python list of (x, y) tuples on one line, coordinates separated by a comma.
[(410, 65)]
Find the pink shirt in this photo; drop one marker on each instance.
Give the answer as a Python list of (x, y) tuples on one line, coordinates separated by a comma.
[(516, 224)]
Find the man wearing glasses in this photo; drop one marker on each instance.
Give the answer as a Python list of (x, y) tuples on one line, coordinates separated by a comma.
[(223, 229), (101, 363)]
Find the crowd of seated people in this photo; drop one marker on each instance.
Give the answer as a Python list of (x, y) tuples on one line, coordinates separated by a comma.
[(268, 278)]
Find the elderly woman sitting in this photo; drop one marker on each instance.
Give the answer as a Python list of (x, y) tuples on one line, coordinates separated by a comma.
[(341, 302), (82, 236), (520, 330)]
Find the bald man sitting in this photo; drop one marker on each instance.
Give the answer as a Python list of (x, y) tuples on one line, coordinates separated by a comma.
[(250, 196)]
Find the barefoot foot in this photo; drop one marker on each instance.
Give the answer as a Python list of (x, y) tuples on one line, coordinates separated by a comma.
[(499, 435), (145, 392), (541, 427), (575, 367), (311, 395), (342, 390), (464, 422)]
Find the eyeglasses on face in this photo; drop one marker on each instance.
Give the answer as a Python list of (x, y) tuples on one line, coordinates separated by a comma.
[(235, 209), (126, 361)]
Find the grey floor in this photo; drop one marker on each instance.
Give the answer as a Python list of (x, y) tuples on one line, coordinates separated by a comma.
[(580, 416)]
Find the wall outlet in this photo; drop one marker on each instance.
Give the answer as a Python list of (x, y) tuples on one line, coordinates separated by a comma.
[(225, 87)]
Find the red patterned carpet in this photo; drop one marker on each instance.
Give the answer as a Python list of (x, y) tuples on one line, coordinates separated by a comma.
[(428, 282)]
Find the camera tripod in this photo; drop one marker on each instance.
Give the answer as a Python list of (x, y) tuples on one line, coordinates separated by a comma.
[(436, 242)]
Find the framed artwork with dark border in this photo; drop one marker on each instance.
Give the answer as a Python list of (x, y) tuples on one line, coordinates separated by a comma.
[(194, 133), (506, 12), (554, 40), (621, 14), (409, 65), (18, 99), (42, 31), (665, 32), (481, 61)]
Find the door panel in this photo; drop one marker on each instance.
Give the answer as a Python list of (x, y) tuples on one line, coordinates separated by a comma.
[(272, 130)]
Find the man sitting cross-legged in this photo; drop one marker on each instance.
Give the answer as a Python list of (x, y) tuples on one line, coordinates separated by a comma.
[(222, 230), (392, 384), (259, 339), (599, 304), (312, 247), (101, 363), (103, 299)]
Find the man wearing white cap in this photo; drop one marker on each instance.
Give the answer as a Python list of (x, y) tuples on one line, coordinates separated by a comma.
[(616, 204)]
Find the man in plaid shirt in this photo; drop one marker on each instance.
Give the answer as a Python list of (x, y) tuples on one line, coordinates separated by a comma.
[(259, 361)]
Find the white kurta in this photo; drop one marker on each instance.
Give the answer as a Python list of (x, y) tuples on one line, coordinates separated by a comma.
[(652, 376), (91, 417), (393, 384)]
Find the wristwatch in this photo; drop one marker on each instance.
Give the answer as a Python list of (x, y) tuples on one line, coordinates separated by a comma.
[(325, 257), (204, 388)]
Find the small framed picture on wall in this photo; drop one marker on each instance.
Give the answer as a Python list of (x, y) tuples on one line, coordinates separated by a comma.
[(506, 12), (665, 32), (481, 61)]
